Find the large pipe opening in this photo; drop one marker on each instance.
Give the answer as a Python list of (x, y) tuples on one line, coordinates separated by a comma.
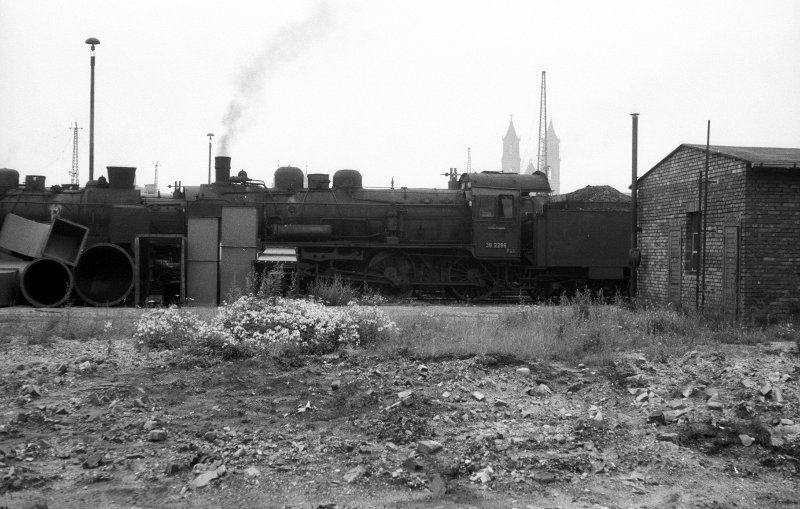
[(45, 283), (104, 275)]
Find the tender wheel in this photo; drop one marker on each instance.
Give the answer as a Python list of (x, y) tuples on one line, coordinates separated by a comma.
[(396, 273), (472, 281)]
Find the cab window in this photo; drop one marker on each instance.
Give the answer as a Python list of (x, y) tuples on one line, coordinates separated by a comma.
[(506, 206), (487, 206)]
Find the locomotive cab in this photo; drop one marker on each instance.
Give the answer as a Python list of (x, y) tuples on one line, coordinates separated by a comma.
[(497, 209)]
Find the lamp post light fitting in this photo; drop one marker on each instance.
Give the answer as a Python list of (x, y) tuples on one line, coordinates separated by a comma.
[(93, 42), (210, 135)]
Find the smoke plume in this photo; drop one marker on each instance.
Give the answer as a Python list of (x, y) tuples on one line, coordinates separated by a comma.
[(286, 45)]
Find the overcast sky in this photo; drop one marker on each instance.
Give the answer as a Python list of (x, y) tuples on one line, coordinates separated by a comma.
[(395, 89)]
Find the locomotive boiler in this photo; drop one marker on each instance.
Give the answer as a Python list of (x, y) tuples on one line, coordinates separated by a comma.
[(484, 234)]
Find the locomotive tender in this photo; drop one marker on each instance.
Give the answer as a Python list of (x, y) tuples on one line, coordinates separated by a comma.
[(487, 233)]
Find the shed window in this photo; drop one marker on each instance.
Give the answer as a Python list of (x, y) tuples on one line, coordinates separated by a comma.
[(692, 255)]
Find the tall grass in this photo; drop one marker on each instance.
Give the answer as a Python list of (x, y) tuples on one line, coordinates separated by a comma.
[(45, 327), (579, 329)]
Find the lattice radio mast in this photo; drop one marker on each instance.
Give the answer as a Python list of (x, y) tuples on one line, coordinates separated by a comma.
[(73, 173), (469, 160), (541, 159)]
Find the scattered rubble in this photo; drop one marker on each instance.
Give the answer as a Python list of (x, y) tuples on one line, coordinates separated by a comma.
[(636, 430)]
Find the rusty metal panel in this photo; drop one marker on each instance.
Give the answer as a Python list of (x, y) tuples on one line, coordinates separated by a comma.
[(203, 239), (9, 286), (202, 283), (65, 241), (587, 238), (23, 236), (239, 227), (235, 271), (127, 221), (202, 261)]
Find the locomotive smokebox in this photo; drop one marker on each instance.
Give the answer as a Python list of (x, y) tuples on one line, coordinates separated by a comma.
[(222, 169), (121, 177)]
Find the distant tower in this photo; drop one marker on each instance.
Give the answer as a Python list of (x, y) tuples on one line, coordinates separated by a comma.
[(469, 160), (553, 159), (530, 168), (511, 160), (73, 173)]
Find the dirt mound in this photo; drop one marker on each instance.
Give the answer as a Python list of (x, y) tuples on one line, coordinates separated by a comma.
[(597, 194)]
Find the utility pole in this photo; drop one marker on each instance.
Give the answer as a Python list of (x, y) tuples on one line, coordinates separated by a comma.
[(73, 173), (541, 159), (634, 251)]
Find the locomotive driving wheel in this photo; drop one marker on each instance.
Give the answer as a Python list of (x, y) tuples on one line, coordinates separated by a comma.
[(469, 280), (395, 272)]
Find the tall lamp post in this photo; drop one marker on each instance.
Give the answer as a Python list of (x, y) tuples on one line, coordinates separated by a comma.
[(93, 41), (210, 135)]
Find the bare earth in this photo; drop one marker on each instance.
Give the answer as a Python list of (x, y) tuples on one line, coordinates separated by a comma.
[(95, 424)]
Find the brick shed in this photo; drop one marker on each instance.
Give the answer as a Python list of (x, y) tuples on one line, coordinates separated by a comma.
[(750, 265)]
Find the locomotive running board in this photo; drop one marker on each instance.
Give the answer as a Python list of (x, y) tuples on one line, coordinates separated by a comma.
[(278, 255)]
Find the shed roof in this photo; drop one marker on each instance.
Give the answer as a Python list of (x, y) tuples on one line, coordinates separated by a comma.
[(763, 157), (759, 156)]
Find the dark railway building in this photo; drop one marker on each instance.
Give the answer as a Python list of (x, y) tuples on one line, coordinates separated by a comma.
[(747, 266)]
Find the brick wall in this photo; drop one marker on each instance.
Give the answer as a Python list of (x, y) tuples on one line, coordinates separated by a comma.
[(666, 194), (770, 264)]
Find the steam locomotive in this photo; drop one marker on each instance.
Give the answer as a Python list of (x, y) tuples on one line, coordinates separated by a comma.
[(485, 234)]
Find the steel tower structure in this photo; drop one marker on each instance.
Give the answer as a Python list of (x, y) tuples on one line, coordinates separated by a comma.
[(73, 172), (541, 158)]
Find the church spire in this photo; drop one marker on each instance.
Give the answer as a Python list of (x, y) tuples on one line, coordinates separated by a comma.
[(511, 160), (554, 158)]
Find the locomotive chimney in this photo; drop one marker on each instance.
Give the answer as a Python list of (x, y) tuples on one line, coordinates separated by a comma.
[(222, 169)]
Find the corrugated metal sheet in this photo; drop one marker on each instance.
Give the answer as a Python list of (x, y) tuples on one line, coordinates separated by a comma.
[(278, 255)]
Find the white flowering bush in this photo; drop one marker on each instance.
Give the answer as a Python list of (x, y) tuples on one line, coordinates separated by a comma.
[(165, 329), (251, 326), (372, 324)]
